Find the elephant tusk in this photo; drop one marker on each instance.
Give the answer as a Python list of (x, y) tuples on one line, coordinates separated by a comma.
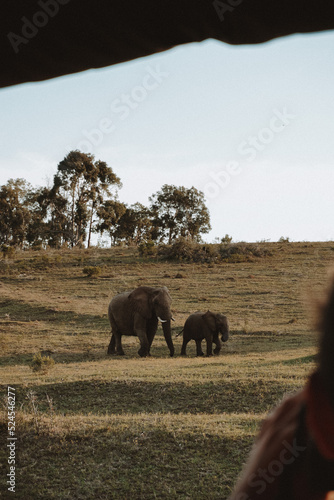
[(162, 320), (172, 318)]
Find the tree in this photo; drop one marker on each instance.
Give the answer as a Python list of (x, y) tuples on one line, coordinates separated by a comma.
[(14, 212), (83, 182), (135, 225), (109, 213), (178, 211), (50, 223), (36, 233)]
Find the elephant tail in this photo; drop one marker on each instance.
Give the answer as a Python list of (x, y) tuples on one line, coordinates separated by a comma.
[(178, 334)]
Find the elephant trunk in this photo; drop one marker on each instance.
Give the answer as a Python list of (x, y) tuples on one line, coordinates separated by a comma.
[(168, 336), (225, 334)]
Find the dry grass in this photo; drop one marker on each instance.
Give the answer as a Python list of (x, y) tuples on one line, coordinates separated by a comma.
[(131, 428)]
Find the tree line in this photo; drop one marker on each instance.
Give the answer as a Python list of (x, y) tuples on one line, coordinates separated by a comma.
[(83, 199)]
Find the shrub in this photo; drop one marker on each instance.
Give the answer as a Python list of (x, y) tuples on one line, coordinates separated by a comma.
[(284, 240), (189, 251), (92, 271), (41, 262), (226, 239), (185, 250), (147, 248), (41, 363), (242, 252), (7, 251), (179, 250), (37, 245), (205, 253)]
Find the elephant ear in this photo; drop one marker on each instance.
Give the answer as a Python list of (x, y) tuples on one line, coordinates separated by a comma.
[(164, 289), (141, 302), (210, 320), (222, 320)]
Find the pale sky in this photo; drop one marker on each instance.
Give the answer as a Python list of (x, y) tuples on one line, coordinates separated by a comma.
[(251, 126)]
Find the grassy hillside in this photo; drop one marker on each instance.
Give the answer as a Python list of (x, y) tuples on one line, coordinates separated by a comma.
[(94, 426)]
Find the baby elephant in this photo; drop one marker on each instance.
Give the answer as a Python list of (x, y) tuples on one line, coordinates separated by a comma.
[(206, 326)]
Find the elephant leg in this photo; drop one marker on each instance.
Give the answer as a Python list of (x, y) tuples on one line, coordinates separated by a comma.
[(168, 336), (144, 343), (199, 351), (184, 347), (111, 347), (140, 328), (209, 345), (152, 327), (150, 338), (115, 344), (118, 342), (144, 351), (218, 345)]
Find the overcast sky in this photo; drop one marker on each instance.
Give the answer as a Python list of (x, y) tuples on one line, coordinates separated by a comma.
[(252, 127)]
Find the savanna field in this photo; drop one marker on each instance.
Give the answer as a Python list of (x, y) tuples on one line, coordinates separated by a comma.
[(92, 426)]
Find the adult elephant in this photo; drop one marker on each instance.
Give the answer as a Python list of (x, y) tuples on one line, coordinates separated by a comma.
[(138, 313), (206, 326)]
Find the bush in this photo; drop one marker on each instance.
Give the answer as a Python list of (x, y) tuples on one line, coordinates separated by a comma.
[(242, 252), (205, 253), (37, 245), (179, 250), (92, 271), (185, 250), (41, 262), (226, 240), (7, 251), (147, 248), (188, 251), (41, 363)]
